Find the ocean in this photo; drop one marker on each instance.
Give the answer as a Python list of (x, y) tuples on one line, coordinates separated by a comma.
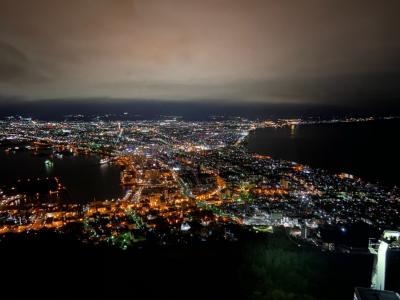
[(369, 150)]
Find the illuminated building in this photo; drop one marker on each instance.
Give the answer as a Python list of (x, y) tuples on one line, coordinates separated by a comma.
[(389, 240), (371, 294)]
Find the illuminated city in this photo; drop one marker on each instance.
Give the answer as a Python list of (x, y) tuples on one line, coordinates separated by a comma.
[(184, 181), (199, 150)]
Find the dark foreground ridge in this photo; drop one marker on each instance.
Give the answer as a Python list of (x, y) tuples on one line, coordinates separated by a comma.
[(52, 266)]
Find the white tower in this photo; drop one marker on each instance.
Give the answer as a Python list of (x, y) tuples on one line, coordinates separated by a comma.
[(380, 248)]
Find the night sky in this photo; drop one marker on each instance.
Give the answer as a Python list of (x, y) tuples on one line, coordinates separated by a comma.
[(214, 52)]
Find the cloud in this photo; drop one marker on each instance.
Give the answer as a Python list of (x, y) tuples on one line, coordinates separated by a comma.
[(16, 69), (239, 50), (13, 63)]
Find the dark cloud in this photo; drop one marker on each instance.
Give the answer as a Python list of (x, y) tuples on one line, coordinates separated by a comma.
[(13, 63), (56, 109), (305, 51), (16, 69)]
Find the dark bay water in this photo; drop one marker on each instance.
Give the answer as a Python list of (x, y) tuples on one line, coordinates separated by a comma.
[(369, 150), (83, 177)]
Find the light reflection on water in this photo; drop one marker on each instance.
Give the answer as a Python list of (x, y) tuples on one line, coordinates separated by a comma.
[(83, 176)]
